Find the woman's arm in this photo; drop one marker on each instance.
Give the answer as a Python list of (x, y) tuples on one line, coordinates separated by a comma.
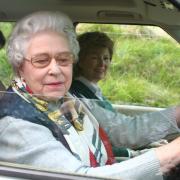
[(136, 131), (31, 144)]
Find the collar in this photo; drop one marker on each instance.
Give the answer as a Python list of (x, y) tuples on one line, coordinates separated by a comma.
[(92, 86)]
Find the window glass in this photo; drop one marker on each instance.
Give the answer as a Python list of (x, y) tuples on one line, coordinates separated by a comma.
[(5, 69), (145, 65)]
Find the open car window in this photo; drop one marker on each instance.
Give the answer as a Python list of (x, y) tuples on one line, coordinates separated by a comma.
[(145, 67)]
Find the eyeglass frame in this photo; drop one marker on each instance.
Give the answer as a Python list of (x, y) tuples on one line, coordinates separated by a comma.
[(50, 57)]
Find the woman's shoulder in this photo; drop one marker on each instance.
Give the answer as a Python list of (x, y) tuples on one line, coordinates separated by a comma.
[(22, 130)]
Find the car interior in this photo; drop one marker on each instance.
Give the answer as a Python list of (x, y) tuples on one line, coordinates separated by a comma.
[(161, 13)]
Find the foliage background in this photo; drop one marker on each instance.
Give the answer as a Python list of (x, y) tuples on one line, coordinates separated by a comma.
[(145, 69), (146, 66), (5, 68)]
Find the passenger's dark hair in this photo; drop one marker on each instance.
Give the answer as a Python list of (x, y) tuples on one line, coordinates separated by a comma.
[(96, 39)]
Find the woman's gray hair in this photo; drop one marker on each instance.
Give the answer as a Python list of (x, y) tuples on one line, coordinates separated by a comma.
[(34, 23)]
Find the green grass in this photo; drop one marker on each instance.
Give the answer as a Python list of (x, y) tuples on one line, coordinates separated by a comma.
[(145, 72), (5, 68)]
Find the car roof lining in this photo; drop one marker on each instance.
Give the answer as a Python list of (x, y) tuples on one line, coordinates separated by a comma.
[(101, 11)]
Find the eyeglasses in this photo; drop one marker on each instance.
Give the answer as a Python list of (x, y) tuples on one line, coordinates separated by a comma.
[(44, 59)]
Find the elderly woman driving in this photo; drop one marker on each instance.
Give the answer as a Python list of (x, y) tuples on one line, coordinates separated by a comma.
[(43, 125)]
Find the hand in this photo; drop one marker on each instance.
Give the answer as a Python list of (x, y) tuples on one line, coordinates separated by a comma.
[(169, 155)]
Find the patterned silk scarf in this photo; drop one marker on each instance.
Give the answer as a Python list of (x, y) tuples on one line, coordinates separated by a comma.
[(79, 127)]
